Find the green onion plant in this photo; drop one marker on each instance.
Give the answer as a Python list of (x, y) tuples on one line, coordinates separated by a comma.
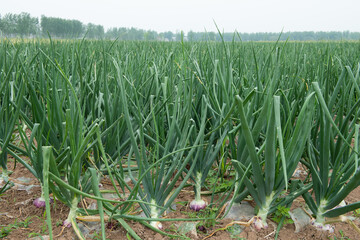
[(333, 152), (274, 163)]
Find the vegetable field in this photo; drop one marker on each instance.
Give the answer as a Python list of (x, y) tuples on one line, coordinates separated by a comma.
[(131, 126)]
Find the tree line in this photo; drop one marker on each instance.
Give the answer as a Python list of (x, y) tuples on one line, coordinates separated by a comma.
[(24, 25)]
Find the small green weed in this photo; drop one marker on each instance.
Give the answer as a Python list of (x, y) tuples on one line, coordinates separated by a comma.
[(97, 236), (342, 236), (25, 223), (281, 212), (6, 230), (33, 235), (209, 213), (221, 184), (59, 222), (175, 230), (356, 213)]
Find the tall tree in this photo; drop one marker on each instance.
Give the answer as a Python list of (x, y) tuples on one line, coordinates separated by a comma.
[(168, 35), (26, 25), (8, 25), (61, 27), (94, 31)]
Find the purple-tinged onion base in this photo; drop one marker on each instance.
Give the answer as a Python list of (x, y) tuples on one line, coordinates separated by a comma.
[(197, 205), (323, 227), (40, 202), (201, 228), (67, 223), (259, 223)]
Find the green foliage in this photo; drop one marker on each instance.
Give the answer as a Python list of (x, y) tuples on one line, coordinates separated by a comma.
[(155, 112), (221, 184), (26, 222), (342, 236), (356, 213), (62, 27), (282, 211), (6, 230), (209, 213), (59, 222), (33, 235), (20, 24), (175, 229), (23, 25), (6, 187), (97, 236)]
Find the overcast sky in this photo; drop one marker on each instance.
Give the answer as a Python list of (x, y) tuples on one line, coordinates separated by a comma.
[(199, 15)]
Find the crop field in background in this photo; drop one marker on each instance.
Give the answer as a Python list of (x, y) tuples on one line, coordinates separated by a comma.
[(230, 121)]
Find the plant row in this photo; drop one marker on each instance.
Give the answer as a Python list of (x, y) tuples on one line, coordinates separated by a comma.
[(165, 115)]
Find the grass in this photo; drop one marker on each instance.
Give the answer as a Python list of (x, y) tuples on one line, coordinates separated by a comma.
[(6, 230), (342, 236)]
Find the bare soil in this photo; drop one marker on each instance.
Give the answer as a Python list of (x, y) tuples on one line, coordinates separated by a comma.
[(16, 208)]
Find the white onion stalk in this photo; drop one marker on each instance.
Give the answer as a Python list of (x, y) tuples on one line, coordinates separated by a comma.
[(197, 204), (322, 226), (320, 219), (72, 214), (154, 214), (319, 222), (326, 226), (260, 220)]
